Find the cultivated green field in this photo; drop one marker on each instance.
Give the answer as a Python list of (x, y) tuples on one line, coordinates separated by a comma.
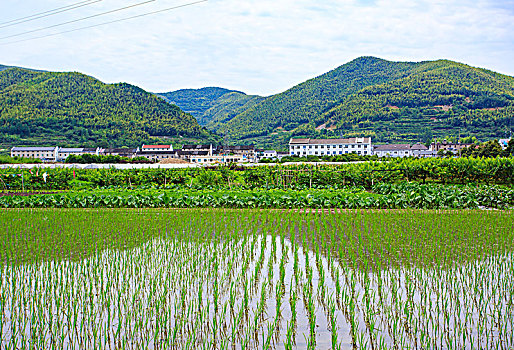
[(246, 279)]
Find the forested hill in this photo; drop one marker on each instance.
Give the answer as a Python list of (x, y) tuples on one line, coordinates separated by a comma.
[(211, 105), (72, 108), (404, 101)]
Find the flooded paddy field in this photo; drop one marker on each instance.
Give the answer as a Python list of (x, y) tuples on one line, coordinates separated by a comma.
[(256, 279)]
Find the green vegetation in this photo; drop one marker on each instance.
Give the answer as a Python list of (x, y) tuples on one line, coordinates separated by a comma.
[(93, 158), (211, 106), (498, 171), (150, 278), (489, 149), (75, 109), (390, 101), (383, 196), (400, 183), (4, 159)]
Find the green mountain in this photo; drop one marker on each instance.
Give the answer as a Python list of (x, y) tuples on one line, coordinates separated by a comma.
[(72, 108), (390, 101), (212, 105)]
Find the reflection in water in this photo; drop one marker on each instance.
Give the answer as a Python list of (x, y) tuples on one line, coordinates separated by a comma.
[(237, 279)]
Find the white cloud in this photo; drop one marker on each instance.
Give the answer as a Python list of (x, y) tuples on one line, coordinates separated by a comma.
[(263, 46)]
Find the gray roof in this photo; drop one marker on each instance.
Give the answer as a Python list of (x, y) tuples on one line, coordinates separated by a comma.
[(393, 147), (32, 149), (71, 150), (239, 148), (120, 150), (419, 147), (193, 153), (195, 147)]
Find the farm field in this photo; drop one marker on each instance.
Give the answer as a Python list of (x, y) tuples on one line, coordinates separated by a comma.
[(256, 279)]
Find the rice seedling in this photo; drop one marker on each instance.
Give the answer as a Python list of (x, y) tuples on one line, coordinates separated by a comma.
[(220, 278)]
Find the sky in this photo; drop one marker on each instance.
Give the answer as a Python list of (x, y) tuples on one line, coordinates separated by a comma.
[(256, 46)]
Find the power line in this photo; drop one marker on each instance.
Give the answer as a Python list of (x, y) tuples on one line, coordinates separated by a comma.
[(48, 13), (106, 23), (79, 19), (45, 12)]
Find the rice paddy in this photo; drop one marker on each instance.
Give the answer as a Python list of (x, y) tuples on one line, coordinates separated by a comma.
[(256, 279)]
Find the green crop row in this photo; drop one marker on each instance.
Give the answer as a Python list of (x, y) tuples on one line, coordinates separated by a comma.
[(298, 177), (385, 196)]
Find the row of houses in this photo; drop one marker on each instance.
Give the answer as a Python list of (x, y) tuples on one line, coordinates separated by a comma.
[(201, 154), (205, 154), (363, 146)]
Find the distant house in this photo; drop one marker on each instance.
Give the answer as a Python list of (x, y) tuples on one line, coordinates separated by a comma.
[(122, 152), (281, 155), (64, 153), (46, 154), (95, 151), (330, 147), (157, 155), (449, 146), (269, 154), (403, 150), (157, 148), (192, 148), (393, 150), (247, 151), (217, 158)]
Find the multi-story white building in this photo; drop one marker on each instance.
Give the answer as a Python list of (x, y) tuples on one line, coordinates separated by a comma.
[(330, 147), (48, 154)]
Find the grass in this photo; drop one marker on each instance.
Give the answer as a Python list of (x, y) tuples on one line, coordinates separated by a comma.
[(217, 278)]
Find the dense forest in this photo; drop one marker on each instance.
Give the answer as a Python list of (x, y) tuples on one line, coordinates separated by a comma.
[(75, 109), (390, 101), (211, 106)]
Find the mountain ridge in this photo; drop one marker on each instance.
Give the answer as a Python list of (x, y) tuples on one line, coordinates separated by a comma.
[(369, 96), (74, 108)]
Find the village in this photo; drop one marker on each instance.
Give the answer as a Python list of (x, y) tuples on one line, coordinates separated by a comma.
[(211, 154)]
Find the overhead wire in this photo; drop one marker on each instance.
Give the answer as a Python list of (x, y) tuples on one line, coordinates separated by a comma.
[(106, 23), (48, 13), (79, 19)]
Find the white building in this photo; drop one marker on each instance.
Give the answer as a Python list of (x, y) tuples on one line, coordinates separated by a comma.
[(46, 154), (63, 153), (217, 158), (330, 147), (403, 150), (394, 150), (269, 154)]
